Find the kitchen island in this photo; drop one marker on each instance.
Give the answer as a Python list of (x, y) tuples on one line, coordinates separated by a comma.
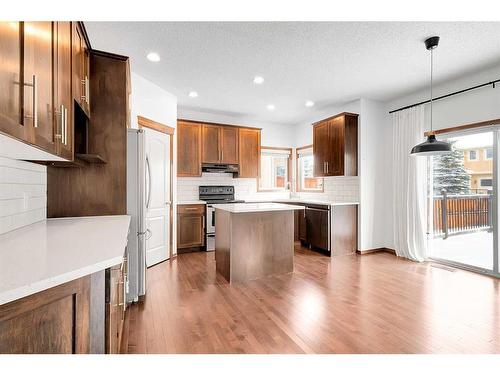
[(254, 240)]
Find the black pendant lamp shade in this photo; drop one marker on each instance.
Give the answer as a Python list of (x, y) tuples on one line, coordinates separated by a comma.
[(431, 146)]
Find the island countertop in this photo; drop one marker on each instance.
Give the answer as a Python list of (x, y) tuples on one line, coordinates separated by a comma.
[(238, 208), (54, 251)]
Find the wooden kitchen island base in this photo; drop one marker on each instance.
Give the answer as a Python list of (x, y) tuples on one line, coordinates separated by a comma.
[(254, 244)]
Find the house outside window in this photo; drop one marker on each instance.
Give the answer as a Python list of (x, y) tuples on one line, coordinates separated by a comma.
[(488, 153), (472, 155), (305, 171), (275, 169)]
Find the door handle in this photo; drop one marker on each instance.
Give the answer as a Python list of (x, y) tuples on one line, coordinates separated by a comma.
[(149, 181)]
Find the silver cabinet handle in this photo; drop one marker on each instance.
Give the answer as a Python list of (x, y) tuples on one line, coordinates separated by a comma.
[(66, 126), (87, 89), (63, 126), (221, 155), (33, 85), (149, 184), (84, 83), (61, 113), (327, 167), (190, 209)]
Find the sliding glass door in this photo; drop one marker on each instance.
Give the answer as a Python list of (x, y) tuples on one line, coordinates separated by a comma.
[(463, 202)]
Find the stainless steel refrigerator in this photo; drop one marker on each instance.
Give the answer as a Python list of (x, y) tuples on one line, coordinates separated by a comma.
[(136, 207)]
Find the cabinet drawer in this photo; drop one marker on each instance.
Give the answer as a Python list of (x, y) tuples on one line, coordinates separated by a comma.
[(191, 209)]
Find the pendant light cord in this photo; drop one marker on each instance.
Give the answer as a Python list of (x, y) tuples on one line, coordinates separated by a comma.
[(432, 65)]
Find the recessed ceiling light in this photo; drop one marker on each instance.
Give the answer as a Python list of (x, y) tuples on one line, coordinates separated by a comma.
[(153, 56), (271, 107), (258, 80), (193, 94), (309, 103)]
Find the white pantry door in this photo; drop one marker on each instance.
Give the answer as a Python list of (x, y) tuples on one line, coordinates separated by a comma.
[(157, 196)]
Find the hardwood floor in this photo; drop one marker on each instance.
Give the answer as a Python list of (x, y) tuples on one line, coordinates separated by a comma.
[(375, 303)]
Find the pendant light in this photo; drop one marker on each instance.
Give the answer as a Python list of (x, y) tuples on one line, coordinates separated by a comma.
[(431, 146)]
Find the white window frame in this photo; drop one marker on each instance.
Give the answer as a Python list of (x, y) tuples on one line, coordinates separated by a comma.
[(276, 151), (468, 155), (301, 152)]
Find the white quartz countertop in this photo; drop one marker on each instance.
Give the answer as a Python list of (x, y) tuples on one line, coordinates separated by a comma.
[(54, 251), (239, 208), (305, 201), (179, 203)]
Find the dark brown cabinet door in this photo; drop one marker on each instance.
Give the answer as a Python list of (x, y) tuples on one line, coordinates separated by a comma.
[(55, 320), (302, 226), (211, 150), (249, 152), (188, 149), (11, 121), (317, 227), (38, 71), (336, 135), (321, 148), (62, 95), (191, 228), (81, 71), (229, 145), (113, 310)]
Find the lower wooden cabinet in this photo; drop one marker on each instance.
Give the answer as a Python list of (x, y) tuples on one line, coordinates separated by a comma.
[(190, 226), (53, 321), (115, 306), (68, 318)]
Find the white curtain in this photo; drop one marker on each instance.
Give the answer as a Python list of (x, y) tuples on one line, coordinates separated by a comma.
[(409, 182)]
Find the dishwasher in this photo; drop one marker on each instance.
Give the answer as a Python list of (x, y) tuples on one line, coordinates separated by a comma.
[(318, 226)]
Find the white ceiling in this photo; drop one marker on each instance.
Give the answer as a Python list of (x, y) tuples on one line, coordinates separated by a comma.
[(327, 62)]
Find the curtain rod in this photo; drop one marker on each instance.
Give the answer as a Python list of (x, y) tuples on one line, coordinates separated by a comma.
[(492, 83)]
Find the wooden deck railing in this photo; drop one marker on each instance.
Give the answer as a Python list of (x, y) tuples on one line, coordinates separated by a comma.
[(455, 214)]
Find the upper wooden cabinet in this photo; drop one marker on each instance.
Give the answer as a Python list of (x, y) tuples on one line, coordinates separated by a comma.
[(62, 92), (188, 149), (43, 67), (11, 121), (249, 152), (335, 146), (199, 143), (219, 144), (80, 69), (38, 92)]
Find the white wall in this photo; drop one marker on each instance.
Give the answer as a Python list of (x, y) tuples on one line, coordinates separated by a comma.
[(151, 101), (23, 194), (373, 132)]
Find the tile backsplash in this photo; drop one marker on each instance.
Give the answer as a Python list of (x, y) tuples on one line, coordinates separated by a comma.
[(244, 188), (23, 194), (336, 188)]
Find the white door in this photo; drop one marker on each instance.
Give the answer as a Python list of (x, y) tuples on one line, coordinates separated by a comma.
[(158, 175)]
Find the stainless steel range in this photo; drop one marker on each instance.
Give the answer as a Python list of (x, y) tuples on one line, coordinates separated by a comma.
[(215, 195)]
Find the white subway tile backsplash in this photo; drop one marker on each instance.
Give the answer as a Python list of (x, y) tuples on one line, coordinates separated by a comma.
[(335, 188), (23, 194)]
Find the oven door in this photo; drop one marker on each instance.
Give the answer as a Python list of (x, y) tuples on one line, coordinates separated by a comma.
[(210, 220)]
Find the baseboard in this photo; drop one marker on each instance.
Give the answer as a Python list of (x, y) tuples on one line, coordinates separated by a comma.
[(379, 249)]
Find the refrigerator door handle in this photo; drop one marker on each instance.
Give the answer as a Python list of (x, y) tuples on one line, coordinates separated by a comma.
[(148, 167)]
